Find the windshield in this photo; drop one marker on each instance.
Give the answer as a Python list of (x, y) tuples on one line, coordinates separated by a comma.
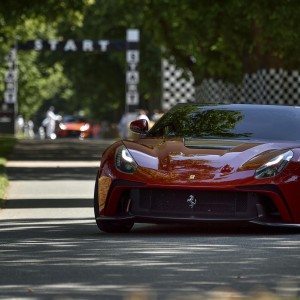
[(73, 119), (231, 122)]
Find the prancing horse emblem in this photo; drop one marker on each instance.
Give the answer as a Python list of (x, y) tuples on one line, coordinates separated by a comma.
[(191, 200)]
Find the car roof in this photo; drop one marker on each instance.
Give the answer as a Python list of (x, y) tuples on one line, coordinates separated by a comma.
[(241, 106)]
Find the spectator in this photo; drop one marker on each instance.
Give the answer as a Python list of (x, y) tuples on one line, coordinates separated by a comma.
[(142, 115), (122, 126), (28, 129), (96, 130), (20, 124), (41, 133), (156, 115), (50, 123)]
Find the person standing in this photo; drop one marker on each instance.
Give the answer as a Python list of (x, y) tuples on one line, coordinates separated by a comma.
[(20, 123), (50, 123), (142, 115), (122, 126)]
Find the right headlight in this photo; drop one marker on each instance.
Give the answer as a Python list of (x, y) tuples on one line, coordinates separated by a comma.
[(124, 161), (85, 127), (274, 166)]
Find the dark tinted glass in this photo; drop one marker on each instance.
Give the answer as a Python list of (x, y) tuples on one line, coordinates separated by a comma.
[(73, 119), (231, 121)]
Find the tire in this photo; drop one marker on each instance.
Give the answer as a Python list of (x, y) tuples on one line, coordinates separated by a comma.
[(109, 226)]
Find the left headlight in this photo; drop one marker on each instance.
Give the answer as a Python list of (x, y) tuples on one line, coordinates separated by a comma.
[(62, 126), (274, 166), (124, 161)]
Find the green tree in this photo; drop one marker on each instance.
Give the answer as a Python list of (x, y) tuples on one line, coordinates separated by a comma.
[(225, 39), (24, 20), (216, 39)]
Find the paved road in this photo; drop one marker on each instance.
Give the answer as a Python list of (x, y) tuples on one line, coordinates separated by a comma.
[(50, 246)]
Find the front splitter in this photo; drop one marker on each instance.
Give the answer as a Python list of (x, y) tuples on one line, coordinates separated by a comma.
[(157, 220)]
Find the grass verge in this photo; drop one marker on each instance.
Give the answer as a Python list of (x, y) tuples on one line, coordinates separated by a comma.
[(7, 143), (3, 181)]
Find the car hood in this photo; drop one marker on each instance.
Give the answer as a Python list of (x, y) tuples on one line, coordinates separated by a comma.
[(212, 156), (73, 126)]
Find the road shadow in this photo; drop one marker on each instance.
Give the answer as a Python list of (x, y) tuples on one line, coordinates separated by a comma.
[(221, 229), (71, 258), (57, 173), (60, 149), (158, 230), (48, 203)]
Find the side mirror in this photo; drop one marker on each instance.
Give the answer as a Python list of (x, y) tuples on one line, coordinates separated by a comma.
[(139, 126)]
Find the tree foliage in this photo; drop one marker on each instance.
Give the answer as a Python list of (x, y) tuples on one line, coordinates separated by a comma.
[(218, 39), (24, 20), (225, 39)]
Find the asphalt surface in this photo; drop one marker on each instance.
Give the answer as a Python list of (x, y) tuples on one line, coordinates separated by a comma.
[(50, 247)]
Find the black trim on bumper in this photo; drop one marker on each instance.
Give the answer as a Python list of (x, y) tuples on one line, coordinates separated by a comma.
[(162, 220), (268, 188), (270, 224)]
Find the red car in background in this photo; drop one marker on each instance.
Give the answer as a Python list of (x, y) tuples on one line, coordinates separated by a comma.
[(74, 127)]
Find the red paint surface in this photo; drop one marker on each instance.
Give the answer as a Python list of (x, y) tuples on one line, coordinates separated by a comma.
[(168, 164)]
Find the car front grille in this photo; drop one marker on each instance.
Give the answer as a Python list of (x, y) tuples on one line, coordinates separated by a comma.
[(73, 133), (193, 204)]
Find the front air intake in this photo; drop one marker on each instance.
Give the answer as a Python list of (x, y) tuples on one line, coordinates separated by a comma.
[(196, 204)]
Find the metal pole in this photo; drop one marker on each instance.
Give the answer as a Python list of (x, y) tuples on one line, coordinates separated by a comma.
[(132, 73)]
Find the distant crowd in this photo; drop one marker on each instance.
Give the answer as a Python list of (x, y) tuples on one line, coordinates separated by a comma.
[(53, 123)]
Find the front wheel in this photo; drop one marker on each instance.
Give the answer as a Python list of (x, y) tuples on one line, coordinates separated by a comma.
[(114, 226), (108, 225)]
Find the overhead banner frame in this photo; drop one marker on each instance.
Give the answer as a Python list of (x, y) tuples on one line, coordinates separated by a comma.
[(130, 45)]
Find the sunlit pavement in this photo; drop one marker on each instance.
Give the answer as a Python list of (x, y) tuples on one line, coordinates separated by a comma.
[(50, 246)]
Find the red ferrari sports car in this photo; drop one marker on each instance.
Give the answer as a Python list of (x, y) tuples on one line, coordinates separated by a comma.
[(74, 127), (229, 163)]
